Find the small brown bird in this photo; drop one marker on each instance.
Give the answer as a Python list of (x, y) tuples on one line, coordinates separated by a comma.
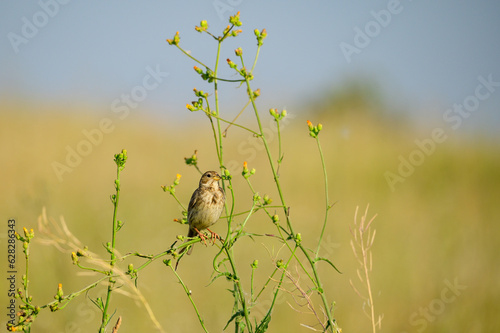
[(205, 206)]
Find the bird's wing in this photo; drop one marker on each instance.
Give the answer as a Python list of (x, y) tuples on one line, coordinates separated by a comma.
[(193, 200)]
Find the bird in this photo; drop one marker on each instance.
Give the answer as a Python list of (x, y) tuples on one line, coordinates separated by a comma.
[(205, 206)]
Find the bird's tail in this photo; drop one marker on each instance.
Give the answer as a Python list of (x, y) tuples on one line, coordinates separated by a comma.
[(191, 233)]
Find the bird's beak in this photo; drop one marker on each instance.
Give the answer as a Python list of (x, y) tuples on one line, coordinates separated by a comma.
[(217, 177)]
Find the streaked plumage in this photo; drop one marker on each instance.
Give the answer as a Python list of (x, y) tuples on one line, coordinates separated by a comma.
[(206, 205)]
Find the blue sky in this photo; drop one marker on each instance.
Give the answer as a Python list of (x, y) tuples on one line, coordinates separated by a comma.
[(425, 56)]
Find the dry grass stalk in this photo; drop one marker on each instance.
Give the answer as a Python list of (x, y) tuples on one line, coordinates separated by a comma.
[(362, 240), (52, 233)]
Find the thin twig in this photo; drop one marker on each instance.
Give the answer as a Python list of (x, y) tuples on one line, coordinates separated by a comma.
[(117, 325)]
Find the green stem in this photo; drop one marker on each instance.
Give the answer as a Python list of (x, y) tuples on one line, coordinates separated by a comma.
[(92, 269), (111, 281), (216, 97), (177, 199), (237, 125), (75, 294), (188, 293), (265, 284), (280, 154), (221, 163), (317, 281), (256, 57), (236, 280), (327, 205), (255, 210), (278, 288), (26, 284), (190, 56), (251, 286), (245, 222)]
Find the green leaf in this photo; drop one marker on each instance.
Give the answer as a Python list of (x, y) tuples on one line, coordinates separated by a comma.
[(264, 323), (328, 261), (98, 303), (216, 277), (233, 317)]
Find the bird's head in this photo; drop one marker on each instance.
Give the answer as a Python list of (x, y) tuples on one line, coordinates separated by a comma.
[(210, 179)]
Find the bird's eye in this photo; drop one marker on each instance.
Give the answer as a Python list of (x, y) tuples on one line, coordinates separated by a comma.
[(209, 176)]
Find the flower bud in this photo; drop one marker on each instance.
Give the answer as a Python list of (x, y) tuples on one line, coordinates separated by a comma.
[(310, 125), (235, 33), (267, 200), (175, 40), (203, 26), (298, 238), (59, 294), (231, 63), (74, 258), (235, 19)]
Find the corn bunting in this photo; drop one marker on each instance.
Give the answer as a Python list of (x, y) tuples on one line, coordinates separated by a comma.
[(205, 206)]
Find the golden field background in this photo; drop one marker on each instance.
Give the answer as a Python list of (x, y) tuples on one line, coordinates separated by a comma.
[(440, 225)]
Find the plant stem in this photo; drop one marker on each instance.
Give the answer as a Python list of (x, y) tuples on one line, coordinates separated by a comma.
[(190, 56), (216, 92), (241, 295), (327, 205), (111, 281), (318, 283), (188, 293), (75, 294)]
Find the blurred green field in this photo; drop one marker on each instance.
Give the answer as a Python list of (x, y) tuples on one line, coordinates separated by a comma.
[(438, 228)]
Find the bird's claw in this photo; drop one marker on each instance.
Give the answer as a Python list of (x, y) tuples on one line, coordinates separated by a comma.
[(202, 237), (214, 236)]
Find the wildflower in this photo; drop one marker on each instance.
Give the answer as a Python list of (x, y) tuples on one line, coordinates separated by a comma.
[(314, 130), (231, 63), (247, 173), (203, 26), (235, 20), (177, 178), (175, 40), (193, 160)]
